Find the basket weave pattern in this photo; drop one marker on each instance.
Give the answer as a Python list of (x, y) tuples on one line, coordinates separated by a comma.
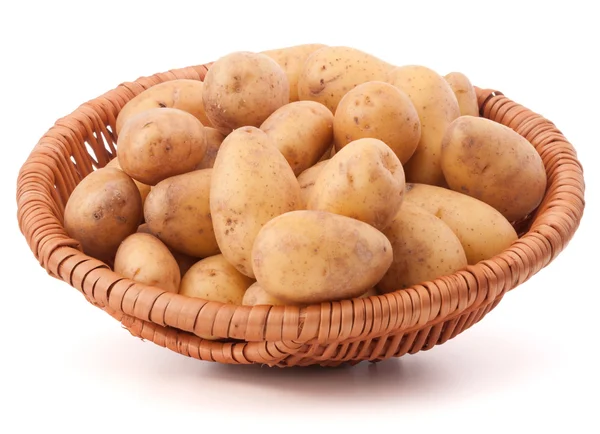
[(328, 334)]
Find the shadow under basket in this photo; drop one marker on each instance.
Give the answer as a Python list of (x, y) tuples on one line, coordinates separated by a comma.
[(328, 334)]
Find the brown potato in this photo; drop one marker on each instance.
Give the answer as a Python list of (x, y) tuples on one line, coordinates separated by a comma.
[(214, 138), (243, 89), (381, 111), (370, 293), (143, 188), (464, 92), (103, 210), (256, 295), (144, 229), (307, 179), (183, 261)]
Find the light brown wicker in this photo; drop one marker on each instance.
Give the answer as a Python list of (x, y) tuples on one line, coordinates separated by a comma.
[(328, 334)]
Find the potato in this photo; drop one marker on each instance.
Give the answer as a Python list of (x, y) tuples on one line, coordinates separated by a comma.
[(381, 111), (103, 210), (243, 89), (144, 229), (370, 293), (307, 179), (314, 256), (214, 138), (291, 60), (178, 213), (256, 295), (183, 261), (424, 247), (364, 180), (437, 108), (494, 164), (145, 259), (180, 94), (251, 183), (302, 131), (482, 231), (464, 93), (160, 143), (143, 188), (330, 72)]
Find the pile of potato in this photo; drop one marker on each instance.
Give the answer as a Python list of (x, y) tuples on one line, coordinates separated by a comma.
[(304, 175)]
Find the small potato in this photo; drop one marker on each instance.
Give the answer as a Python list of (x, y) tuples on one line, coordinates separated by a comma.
[(251, 183), (307, 179), (103, 210), (243, 89), (145, 259), (213, 142), (464, 93), (494, 164), (381, 111), (144, 229), (482, 231), (291, 60), (302, 131), (183, 261), (143, 188), (437, 107), (424, 247), (370, 293), (178, 213), (256, 295), (180, 94), (330, 72), (364, 180), (160, 143), (304, 257)]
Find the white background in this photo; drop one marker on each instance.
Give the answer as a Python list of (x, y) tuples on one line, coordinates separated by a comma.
[(530, 364)]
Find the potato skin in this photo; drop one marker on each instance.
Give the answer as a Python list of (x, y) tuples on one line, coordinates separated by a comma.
[(330, 72), (314, 256), (183, 261), (381, 111), (145, 259), (103, 210), (424, 247), (437, 107), (160, 143), (143, 188), (464, 93), (302, 131), (178, 213), (243, 89), (482, 230), (182, 94), (256, 295), (214, 138), (307, 179), (251, 184), (364, 180), (291, 60), (494, 164)]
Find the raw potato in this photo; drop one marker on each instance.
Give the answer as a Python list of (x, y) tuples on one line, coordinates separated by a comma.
[(251, 184), (370, 293), (308, 257), (143, 258), (144, 229), (364, 180), (214, 138), (464, 93), (103, 210), (381, 111), (302, 131), (307, 179), (180, 94), (482, 231), (291, 60), (183, 261), (424, 247), (256, 295), (243, 89), (160, 143), (143, 188), (494, 164), (330, 72), (437, 107), (178, 213)]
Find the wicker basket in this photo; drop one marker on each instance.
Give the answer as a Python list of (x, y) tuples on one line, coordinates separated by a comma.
[(327, 334)]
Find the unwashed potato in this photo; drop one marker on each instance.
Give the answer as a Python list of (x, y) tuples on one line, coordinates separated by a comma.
[(494, 164), (214, 138), (302, 131), (330, 72), (180, 94), (103, 210), (304, 257), (381, 111), (464, 92), (291, 60), (183, 261), (251, 184), (143, 188), (364, 180), (437, 107), (482, 230), (307, 179), (243, 89), (256, 295), (145, 259), (424, 247), (160, 143)]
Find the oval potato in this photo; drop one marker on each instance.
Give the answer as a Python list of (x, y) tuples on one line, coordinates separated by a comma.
[(183, 261), (464, 93), (256, 295), (214, 138), (143, 188), (307, 179)]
